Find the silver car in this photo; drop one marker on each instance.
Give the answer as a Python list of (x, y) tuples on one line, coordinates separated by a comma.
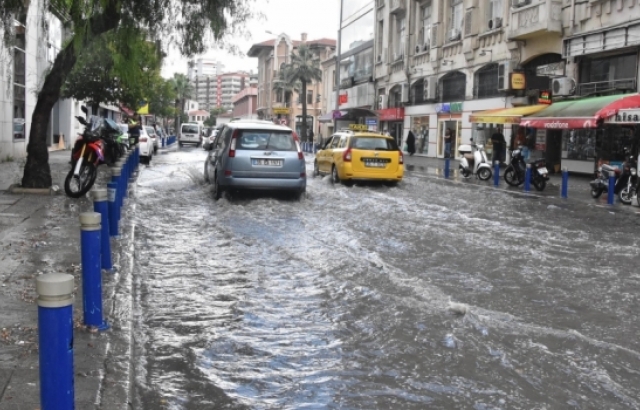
[(255, 156)]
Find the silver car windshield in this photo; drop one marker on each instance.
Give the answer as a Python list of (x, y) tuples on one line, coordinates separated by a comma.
[(266, 140)]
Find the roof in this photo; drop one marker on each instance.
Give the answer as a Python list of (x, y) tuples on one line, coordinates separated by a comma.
[(321, 42)]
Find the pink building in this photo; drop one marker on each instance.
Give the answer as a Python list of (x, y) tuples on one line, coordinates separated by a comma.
[(245, 103)]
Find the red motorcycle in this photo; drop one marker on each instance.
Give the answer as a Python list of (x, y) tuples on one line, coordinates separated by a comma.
[(87, 155)]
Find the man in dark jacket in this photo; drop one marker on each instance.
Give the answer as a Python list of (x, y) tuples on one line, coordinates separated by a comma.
[(499, 146)]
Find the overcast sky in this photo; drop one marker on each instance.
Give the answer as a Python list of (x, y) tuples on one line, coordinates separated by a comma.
[(316, 18)]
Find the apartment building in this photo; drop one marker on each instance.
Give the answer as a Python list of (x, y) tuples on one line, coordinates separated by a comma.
[(286, 108), (245, 104), (217, 90)]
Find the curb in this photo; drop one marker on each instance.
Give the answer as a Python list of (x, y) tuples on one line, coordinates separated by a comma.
[(17, 189)]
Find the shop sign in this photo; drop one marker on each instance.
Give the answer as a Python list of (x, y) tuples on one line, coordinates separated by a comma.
[(282, 110), (630, 116), (391, 114), (518, 81), (343, 99), (550, 70), (544, 97), (541, 140), (449, 108)]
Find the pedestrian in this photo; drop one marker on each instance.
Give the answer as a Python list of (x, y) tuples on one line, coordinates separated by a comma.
[(135, 126), (499, 145), (411, 143), (448, 137), (311, 135)]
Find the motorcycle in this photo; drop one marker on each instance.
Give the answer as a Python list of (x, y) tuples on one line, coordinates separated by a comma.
[(516, 170), (95, 146), (601, 183), (474, 161), (628, 191)]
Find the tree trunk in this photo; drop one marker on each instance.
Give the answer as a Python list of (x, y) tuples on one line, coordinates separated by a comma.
[(37, 173), (303, 125)]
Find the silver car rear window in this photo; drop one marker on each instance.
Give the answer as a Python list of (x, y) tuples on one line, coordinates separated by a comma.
[(266, 140)]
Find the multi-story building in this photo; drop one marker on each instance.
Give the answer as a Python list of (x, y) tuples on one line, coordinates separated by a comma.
[(245, 104), (328, 104), (217, 90), (286, 108)]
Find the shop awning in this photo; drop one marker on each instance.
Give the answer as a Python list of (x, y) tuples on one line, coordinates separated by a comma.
[(328, 117), (582, 113), (505, 115)]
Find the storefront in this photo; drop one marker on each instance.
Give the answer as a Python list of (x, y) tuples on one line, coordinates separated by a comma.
[(586, 132), (420, 127), (449, 123), (392, 122)]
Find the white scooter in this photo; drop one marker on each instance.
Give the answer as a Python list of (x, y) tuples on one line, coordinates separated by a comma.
[(474, 161)]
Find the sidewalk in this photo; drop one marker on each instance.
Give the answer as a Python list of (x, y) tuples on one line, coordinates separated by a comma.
[(41, 234)]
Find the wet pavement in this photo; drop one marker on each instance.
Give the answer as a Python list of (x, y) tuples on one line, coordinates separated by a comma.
[(433, 294)]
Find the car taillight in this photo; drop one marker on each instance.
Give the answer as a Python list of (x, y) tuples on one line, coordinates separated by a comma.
[(400, 158), (143, 139), (346, 157), (300, 154), (232, 146)]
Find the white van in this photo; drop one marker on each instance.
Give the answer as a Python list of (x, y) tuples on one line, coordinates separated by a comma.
[(190, 133)]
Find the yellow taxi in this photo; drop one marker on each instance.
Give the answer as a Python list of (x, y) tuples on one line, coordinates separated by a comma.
[(355, 154)]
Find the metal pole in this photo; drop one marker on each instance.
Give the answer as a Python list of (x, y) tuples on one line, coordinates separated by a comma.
[(91, 273), (337, 73), (527, 179), (565, 183), (496, 173), (55, 340), (100, 205)]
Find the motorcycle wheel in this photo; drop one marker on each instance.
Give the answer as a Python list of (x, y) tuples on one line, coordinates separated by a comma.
[(511, 176), (539, 184), (625, 195), (484, 174), (595, 193), (76, 187)]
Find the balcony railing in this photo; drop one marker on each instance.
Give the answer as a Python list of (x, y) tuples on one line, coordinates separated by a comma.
[(531, 20), (624, 84)]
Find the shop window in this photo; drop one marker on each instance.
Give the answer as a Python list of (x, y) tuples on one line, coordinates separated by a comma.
[(579, 145), (486, 81), (420, 128), (453, 87)]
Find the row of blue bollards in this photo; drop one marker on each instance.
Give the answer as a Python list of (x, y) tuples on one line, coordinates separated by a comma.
[(55, 290), (166, 141)]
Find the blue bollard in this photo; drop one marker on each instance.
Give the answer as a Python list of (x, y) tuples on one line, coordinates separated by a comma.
[(446, 167), (565, 183), (610, 189), (55, 341), (101, 206), (496, 173), (91, 272), (527, 179), (112, 194)]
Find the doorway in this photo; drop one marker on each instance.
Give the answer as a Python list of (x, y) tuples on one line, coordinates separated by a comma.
[(455, 127), (395, 130)]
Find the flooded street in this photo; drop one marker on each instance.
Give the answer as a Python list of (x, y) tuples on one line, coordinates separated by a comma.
[(431, 294)]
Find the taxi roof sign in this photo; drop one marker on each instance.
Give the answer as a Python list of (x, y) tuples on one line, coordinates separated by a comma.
[(358, 127)]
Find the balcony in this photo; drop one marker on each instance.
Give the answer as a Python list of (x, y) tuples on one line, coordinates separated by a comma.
[(397, 7), (532, 20), (611, 87)]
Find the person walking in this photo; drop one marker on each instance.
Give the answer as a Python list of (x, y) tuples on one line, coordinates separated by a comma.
[(135, 126), (448, 137), (411, 143), (499, 145)]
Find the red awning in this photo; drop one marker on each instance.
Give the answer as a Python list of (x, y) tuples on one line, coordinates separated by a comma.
[(582, 113), (126, 110)]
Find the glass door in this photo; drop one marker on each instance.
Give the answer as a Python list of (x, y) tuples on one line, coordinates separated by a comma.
[(452, 128)]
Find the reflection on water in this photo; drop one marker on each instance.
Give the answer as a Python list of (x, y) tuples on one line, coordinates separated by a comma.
[(426, 295)]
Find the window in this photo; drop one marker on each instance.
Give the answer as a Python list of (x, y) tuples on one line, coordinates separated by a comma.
[(455, 20), (19, 76), (424, 37), (452, 87), (309, 96), (494, 14), (615, 72), (399, 40), (279, 98), (486, 81), (379, 46)]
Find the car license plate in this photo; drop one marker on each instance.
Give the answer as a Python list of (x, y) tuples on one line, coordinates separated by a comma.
[(374, 163), (267, 162), (542, 170)]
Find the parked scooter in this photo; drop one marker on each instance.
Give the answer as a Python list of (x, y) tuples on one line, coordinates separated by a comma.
[(601, 183), (474, 161), (629, 191), (516, 170)]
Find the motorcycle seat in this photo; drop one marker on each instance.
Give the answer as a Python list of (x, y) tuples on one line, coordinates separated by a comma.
[(469, 157)]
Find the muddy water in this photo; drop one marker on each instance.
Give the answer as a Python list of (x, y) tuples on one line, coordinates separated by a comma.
[(428, 295)]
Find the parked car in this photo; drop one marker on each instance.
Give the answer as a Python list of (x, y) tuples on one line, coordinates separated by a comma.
[(251, 155), (154, 137), (350, 156), (145, 144), (190, 133)]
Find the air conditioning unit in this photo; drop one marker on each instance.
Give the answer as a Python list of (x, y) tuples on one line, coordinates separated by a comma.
[(382, 102), (563, 86), (495, 23), (504, 71), (425, 46), (454, 34), (430, 89), (520, 3), (418, 48), (379, 59)]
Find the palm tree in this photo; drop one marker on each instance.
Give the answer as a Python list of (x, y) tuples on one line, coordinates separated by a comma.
[(305, 70), (183, 90)]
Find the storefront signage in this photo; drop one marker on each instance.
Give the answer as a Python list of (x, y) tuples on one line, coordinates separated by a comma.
[(544, 97), (550, 70), (343, 99), (391, 114), (541, 140), (518, 81), (449, 108), (631, 116), (282, 110), (559, 123)]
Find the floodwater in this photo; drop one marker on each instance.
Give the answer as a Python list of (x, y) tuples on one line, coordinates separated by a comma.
[(427, 295)]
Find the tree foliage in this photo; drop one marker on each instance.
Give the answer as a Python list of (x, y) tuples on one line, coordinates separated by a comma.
[(191, 25)]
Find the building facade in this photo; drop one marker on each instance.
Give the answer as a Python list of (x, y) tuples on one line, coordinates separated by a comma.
[(283, 107), (212, 87), (245, 104)]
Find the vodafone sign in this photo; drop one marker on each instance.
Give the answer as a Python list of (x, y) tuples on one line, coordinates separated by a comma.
[(559, 123)]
